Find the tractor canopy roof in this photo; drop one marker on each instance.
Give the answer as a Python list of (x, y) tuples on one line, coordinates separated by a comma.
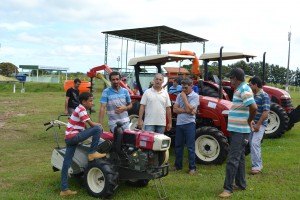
[(160, 59), (225, 56)]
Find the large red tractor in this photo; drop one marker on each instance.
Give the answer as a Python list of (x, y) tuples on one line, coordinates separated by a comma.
[(282, 115), (211, 136)]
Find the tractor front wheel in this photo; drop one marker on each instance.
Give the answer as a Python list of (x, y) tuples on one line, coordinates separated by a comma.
[(101, 179), (211, 146)]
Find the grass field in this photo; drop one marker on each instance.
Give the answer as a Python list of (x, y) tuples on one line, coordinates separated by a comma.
[(26, 173)]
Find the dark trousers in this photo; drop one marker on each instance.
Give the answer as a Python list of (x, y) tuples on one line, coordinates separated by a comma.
[(185, 134), (235, 167)]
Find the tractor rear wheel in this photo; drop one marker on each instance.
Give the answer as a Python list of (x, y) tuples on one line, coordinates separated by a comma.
[(278, 122), (211, 146), (101, 179)]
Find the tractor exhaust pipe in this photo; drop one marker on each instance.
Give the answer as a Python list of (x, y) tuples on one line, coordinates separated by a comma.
[(264, 69), (220, 72)]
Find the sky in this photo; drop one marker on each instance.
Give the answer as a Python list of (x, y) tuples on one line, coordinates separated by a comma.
[(68, 33)]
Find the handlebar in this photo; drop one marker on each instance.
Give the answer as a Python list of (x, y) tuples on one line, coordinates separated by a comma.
[(53, 123)]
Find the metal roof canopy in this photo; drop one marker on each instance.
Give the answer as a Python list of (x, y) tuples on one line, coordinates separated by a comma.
[(155, 35)]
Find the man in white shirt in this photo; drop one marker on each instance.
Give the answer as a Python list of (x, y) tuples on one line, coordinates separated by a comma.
[(156, 105)]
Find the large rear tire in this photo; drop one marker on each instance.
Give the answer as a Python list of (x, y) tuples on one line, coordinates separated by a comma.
[(101, 179), (278, 122), (211, 146)]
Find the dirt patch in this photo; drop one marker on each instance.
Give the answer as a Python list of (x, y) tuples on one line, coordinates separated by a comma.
[(2, 124)]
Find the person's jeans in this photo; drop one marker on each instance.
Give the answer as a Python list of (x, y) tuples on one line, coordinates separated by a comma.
[(255, 147), (235, 166), (71, 147), (124, 126), (185, 134), (155, 128)]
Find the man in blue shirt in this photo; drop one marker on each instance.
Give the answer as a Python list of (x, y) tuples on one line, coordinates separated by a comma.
[(175, 88), (240, 116), (116, 100), (186, 107), (259, 123)]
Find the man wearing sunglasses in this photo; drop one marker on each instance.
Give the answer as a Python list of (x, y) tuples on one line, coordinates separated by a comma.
[(185, 107)]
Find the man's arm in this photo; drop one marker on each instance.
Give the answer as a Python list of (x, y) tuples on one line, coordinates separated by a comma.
[(188, 107), (169, 118), (66, 105), (252, 112), (177, 109), (123, 108), (101, 112), (141, 113), (263, 117)]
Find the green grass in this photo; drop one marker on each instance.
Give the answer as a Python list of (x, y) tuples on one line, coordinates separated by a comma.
[(26, 173)]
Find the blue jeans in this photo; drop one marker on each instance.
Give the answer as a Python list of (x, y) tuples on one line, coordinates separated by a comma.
[(255, 147), (235, 166), (155, 128), (124, 126), (185, 134), (71, 147)]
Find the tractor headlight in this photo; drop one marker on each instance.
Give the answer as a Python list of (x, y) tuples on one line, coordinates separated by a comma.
[(285, 96), (165, 144)]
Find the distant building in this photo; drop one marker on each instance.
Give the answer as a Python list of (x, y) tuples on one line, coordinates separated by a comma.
[(46, 74)]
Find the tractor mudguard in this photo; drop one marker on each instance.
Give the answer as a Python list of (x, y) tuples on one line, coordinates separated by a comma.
[(295, 115)]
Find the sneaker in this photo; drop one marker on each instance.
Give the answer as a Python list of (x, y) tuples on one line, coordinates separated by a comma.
[(96, 155), (254, 172), (67, 193), (192, 172), (225, 194)]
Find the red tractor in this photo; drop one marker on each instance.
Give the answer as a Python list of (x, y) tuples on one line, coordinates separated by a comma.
[(211, 135), (282, 115)]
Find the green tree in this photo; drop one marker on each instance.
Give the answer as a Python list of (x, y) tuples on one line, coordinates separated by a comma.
[(7, 69)]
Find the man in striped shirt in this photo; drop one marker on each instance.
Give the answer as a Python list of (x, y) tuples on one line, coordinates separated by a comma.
[(259, 124), (76, 133), (240, 117)]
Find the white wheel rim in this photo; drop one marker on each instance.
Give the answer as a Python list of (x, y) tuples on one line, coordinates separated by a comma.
[(273, 123), (133, 122), (207, 148), (96, 180)]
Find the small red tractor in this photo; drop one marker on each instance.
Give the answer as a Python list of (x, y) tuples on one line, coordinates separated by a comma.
[(132, 156), (282, 114)]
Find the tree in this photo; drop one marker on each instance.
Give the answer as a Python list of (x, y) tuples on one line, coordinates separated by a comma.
[(7, 69)]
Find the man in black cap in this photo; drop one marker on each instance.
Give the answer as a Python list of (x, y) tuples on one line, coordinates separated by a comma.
[(240, 117)]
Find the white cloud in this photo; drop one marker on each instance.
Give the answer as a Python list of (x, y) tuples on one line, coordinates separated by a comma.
[(16, 26)]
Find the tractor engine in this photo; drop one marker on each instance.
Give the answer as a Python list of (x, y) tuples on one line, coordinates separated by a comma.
[(141, 150)]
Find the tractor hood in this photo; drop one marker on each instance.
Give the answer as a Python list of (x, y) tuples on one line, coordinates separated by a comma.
[(220, 105), (279, 93)]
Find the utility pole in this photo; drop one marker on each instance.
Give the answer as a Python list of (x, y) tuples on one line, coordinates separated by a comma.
[(288, 63)]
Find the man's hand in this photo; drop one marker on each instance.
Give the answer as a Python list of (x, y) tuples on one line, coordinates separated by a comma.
[(120, 109), (140, 124), (169, 126), (183, 95), (255, 127)]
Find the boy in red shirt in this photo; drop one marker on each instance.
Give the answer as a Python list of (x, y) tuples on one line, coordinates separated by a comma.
[(76, 133)]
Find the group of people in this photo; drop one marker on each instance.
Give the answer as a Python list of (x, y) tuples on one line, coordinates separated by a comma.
[(247, 121)]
